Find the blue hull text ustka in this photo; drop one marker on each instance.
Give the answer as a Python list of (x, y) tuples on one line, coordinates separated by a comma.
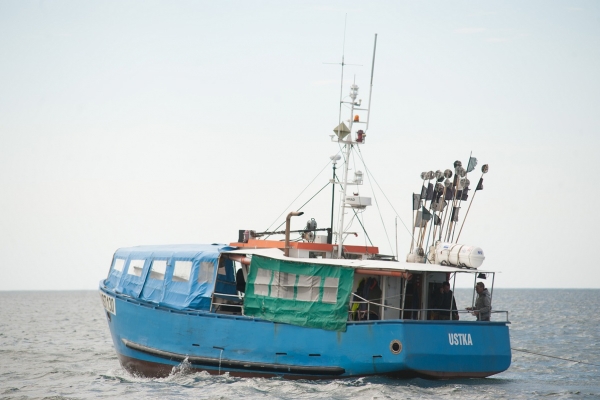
[(188, 312)]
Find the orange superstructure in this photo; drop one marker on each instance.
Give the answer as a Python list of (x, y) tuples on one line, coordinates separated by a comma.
[(319, 247)]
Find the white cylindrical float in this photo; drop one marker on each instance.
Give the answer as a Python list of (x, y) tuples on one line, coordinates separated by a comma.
[(460, 255)]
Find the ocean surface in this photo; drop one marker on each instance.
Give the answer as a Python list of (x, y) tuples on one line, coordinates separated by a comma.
[(56, 345)]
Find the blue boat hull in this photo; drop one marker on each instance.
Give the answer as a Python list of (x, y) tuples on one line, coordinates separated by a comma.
[(151, 340)]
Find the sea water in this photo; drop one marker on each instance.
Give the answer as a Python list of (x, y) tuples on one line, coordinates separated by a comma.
[(56, 345)]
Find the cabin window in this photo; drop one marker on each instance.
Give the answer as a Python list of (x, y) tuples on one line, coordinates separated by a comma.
[(206, 272), (317, 254), (136, 267), (283, 285), (262, 281), (158, 269), (182, 271), (308, 288), (119, 264), (330, 290), (291, 286), (353, 256)]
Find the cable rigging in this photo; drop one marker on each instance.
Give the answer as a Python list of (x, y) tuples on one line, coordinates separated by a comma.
[(558, 358), (300, 194)]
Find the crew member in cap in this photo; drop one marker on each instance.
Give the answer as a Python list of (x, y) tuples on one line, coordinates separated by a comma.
[(483, 304)]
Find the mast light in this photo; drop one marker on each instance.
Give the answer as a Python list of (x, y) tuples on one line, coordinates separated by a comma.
[(353, 92), (358, 177)]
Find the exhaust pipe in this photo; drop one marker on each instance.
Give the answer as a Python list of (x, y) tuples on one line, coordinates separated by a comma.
[(287, 230)]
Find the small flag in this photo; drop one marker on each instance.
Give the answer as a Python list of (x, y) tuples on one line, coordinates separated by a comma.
[(437, 220), (429, 192), (422, 217), (480, 184), (419, 221), (449, 194), (462, 194), (416, 201), (455, 214), (472, 164), (426, 214)]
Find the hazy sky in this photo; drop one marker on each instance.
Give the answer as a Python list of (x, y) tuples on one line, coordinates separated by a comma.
[(154, 122)]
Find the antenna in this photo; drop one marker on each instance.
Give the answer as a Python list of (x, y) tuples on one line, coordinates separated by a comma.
[(342, 78), (343, 63), (371, 86)]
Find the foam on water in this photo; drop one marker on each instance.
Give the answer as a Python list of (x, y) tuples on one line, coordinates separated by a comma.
[(56, 345)]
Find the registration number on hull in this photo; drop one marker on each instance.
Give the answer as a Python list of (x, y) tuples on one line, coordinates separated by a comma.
[(108, 303)]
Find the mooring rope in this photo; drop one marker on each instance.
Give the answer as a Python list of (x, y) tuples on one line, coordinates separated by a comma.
[(559, 358)]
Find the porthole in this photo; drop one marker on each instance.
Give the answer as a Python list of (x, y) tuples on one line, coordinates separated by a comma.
[(395, 346)]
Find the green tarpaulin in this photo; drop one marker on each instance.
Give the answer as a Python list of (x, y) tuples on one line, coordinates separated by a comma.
[(298, 293)]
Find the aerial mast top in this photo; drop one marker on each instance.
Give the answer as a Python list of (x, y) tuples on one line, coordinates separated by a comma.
[(344, 135)]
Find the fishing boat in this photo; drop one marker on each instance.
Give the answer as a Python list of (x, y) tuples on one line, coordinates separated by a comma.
[(309, 304)]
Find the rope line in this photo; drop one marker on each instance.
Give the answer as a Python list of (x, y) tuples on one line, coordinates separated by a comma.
[(303, 190), (362, 226), (558, 358), (389, 202), (387, 236), (320, 190)]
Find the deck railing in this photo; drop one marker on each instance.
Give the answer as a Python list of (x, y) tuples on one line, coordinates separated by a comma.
[(234, 304), (373, 309)]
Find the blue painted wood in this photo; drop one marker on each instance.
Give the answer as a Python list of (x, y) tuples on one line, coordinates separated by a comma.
[(437, 349)]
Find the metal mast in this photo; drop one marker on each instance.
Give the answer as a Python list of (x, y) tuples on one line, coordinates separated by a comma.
[(340, 241), (349, 143)]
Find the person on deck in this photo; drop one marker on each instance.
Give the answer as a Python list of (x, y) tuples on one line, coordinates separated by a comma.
[(368, 289), (483, 304), (447, 301), (240, 281)]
